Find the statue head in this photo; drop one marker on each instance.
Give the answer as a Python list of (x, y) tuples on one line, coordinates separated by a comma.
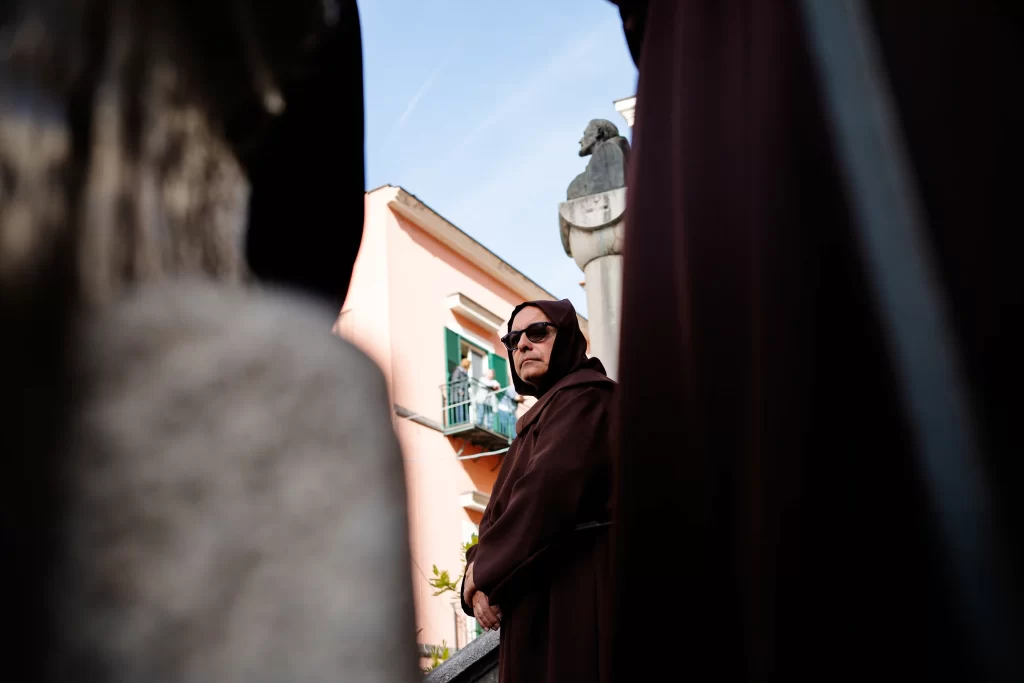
[(597, 131)]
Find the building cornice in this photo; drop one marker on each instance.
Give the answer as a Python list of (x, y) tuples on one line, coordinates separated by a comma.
[(437, 226)]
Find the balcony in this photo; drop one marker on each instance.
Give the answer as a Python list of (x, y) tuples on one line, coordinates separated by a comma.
[(472, 411)]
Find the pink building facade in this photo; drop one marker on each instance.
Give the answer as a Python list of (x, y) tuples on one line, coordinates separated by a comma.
[(425, 295)]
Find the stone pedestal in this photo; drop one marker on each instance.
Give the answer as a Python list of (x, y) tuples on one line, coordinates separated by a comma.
[(593, 228)]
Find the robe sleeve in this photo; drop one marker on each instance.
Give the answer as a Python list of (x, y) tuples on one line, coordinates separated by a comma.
[(485, 522), (570, 449), (470, 555)]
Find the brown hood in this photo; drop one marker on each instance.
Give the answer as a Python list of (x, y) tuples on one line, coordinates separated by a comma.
[(569, 353)]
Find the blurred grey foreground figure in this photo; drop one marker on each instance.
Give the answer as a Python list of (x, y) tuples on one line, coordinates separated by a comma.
[(237, 492), (198, 476)]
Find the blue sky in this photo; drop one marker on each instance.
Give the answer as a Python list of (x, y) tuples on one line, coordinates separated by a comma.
[(476, 107)]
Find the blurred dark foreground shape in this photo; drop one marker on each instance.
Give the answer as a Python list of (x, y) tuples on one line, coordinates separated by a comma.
[(200, 483), (823, 206)]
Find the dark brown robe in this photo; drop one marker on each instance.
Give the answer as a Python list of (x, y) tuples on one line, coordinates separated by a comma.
[(772, 448), (544, 554)]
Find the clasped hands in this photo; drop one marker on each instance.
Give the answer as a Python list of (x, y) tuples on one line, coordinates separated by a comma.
[(487, 614)]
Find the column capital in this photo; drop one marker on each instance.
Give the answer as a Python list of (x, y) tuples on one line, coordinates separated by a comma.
[(592, 226)]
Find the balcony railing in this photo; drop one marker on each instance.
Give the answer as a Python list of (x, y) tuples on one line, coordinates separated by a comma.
[(475, 412)]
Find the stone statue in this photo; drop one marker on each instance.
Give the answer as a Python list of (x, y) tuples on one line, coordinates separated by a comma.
[(592, 226), (607, 169)]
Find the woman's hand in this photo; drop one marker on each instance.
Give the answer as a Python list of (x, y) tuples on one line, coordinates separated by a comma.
[(488, 615)]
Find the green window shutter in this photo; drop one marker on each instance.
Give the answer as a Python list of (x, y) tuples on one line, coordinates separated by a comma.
[(451, 352), (500, 367)]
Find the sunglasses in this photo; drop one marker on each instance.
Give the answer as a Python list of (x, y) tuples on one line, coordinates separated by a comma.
[(535, 332)]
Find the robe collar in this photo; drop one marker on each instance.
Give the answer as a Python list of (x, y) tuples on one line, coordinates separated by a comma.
[(578, 378)]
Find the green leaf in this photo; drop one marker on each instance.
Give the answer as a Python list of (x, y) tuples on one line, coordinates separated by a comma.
[(438, 655)]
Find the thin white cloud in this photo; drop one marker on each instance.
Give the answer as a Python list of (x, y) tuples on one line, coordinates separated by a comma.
[(483, 211), (560, 64), (419, 93), (534, 163), (520, 97), (423, 89)]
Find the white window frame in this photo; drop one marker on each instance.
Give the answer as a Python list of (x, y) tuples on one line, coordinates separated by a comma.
[(470, 337)]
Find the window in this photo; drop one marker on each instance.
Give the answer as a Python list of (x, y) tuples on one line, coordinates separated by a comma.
[(477, 359), (458, 347), (500, 367), (469, 402)]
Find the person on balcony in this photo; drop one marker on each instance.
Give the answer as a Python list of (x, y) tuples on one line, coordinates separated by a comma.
[(508, 404), (542, 566), (459, 392), (485, 400)]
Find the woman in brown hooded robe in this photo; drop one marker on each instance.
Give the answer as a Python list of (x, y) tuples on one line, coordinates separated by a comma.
[(543, 562)]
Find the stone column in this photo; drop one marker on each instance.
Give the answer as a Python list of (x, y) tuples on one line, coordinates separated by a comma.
[(592, 229)]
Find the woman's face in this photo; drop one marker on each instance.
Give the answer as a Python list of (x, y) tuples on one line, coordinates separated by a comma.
[(531, 359)]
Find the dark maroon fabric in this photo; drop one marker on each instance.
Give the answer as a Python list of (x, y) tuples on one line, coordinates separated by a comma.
[(634, 19), (306, 203), (551, 580), (772, 517), (568, 354)]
